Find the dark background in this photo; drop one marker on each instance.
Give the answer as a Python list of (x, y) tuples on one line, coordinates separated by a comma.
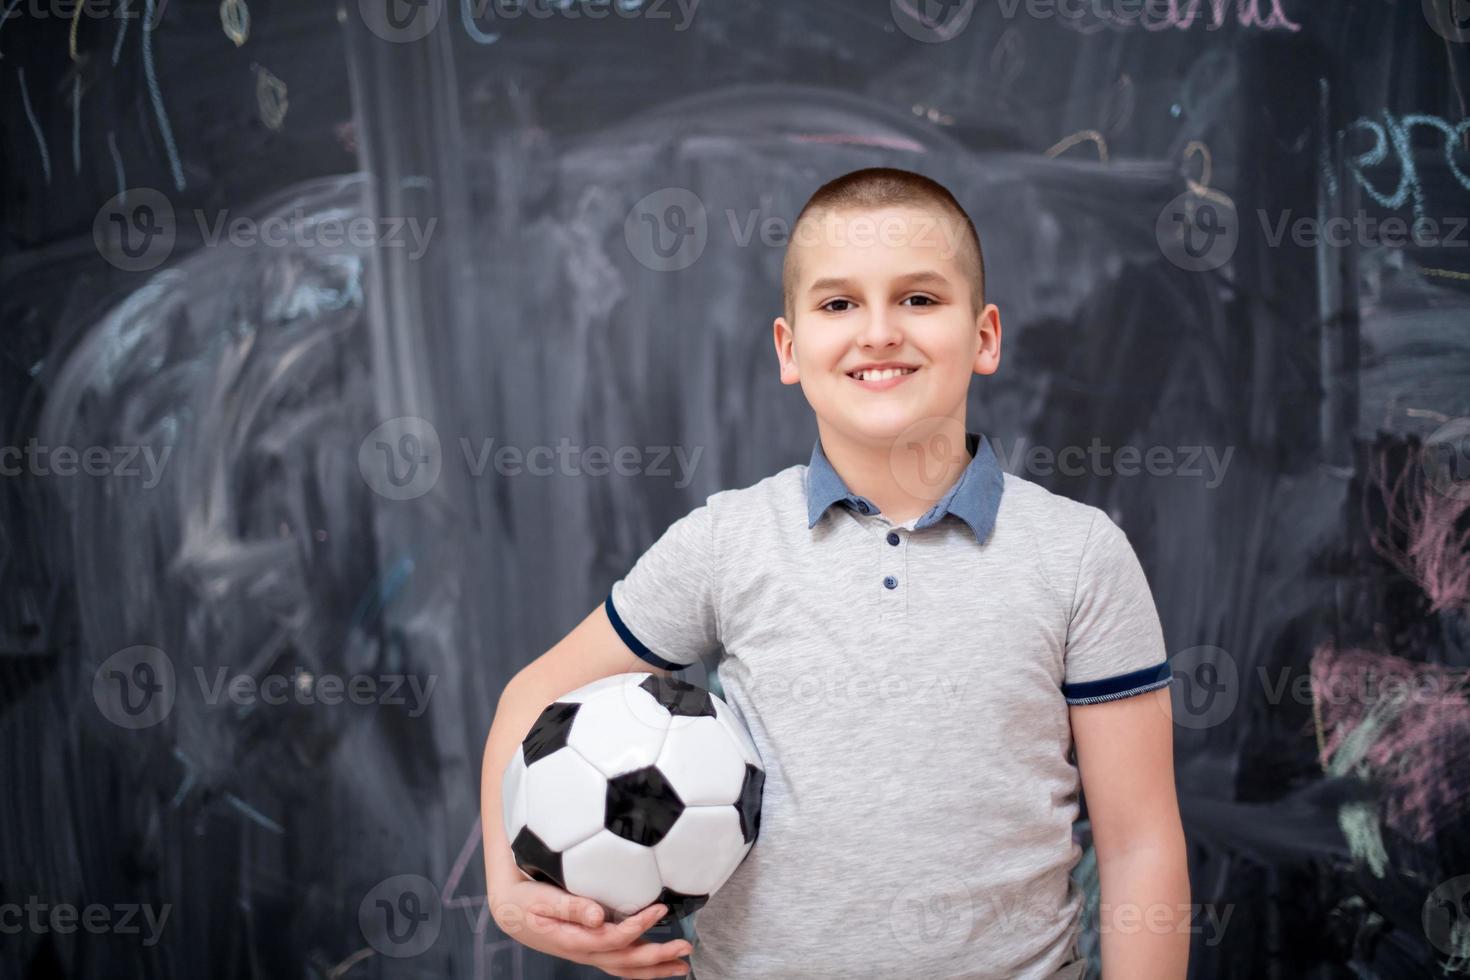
[(1329, 378)]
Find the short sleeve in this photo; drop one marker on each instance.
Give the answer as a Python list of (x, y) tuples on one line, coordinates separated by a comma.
[(1115, 644), (664, 608)]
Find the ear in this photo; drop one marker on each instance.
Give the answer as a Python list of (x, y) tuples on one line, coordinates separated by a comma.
[(785, 340), (987, 329)]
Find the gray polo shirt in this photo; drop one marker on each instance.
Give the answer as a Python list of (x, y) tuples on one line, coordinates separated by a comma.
[(907, 686)]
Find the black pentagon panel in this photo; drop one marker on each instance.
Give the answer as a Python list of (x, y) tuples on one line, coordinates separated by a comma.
[(536, 859), (679, 904), (642, 806), (550, 731), (681, 698), (749, 803)]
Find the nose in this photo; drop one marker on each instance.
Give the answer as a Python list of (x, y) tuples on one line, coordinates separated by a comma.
[(880, 328)]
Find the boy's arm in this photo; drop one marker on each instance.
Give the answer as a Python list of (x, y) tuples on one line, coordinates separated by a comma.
[(590, 651), (1125, 753)]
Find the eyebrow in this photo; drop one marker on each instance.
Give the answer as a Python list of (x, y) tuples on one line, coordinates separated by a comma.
[(923, 277)]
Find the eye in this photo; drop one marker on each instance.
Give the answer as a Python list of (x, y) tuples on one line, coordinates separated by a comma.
[(928, 300), (829, 302)]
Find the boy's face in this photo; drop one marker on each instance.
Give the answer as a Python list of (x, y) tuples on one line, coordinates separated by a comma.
[(878, 287)]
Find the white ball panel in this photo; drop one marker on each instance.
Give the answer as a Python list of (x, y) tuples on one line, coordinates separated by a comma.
[(609, 869), (702, 762), (701, 850), (586, 691), (641, 705), (565, 799), (619, 729), (634, 677), (513, 796)]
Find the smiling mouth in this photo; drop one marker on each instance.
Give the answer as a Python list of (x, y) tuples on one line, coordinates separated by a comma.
[(880, 380)]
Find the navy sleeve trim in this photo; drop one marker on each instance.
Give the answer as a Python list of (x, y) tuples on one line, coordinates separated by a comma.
[(1121, 686), (635, 644)]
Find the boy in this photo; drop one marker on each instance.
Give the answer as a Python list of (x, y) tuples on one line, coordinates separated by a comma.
[(913, 637)]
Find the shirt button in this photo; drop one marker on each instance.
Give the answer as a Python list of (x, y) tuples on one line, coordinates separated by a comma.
[(862, 507), (890, 582), (893, 537)]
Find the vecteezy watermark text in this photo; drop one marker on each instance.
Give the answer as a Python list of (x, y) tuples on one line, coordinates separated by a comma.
[(137, 229), (404, 457), (933, 21), (667, 230), (91, 9), (64, 918), (309, 687), (405, 21), (585, 9), (35, 459), (1097, 459), (1208, 685), (137, 688), (1363, 230)]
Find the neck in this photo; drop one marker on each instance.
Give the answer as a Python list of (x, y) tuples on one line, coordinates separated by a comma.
[(904, 480)]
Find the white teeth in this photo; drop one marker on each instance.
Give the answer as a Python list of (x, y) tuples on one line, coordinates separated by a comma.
[(882, 375)]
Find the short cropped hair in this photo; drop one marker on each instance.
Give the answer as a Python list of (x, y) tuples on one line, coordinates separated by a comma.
[(881, 187)]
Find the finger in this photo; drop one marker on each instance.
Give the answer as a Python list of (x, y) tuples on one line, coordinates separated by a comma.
[(676, 969), (557, 904), (645, 956), (571, 936), (605, 938), (661, 968), (623, 934)]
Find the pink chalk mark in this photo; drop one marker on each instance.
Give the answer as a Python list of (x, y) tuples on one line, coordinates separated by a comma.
[(1422, 536), (1421, 756)]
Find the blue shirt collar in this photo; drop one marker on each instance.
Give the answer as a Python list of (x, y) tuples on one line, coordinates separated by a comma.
[(975, 497)]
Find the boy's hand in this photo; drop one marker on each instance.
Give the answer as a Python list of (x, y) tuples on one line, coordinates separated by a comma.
[(547, 918)]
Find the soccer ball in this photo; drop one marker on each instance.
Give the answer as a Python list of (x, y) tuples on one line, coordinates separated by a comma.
[(634, 789)]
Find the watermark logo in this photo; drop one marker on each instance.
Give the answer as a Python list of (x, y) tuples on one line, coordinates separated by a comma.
[(669, 229), (64, 918), (93, 9), (1090, 16), (1447, 916), (1197, 233), (861, 691), (1201, 462), (1205, 687), (833, 228), (401, 21), (401, 459), (932, 915), (1161, 918), (309, 687), (1363, 231), (931, 21), (1445, 459), (666, 231), (1450, 19), (401, 916), (509, 10), (135, 229), (304, 230), (36, 459), (135, 688), (924, 457)]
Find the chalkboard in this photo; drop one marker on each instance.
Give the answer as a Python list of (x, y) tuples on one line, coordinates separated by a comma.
[(327, 327)]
